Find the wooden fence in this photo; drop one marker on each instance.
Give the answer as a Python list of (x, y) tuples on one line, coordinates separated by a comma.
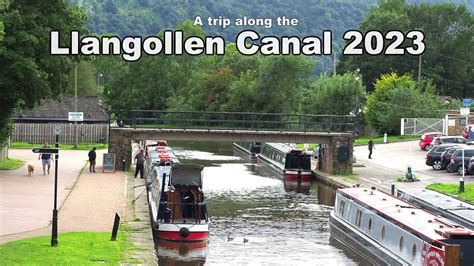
[(39, 133)]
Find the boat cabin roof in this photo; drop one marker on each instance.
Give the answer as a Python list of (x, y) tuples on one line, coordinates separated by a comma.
[(408, 216), (186, 175)]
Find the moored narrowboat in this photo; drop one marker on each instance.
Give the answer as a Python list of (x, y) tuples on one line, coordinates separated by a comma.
[(177, 207), (387, 230), (293, 163)]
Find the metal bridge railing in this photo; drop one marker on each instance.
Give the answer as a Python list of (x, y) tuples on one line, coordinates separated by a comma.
[(234, 121)]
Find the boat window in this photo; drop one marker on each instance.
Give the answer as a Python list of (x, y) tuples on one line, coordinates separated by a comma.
[(370, 224), (401, 243), (413, 252), (341, 208), (358, 217), (383, 232)]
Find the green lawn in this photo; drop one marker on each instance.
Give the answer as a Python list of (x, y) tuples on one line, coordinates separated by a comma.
[(365, 140), (379, 139), (453, 189), (81, 146), (11, 164), (74, 249)]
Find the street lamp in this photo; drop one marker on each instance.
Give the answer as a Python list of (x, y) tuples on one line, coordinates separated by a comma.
[(357, 88), (99, 76), (54, 233)]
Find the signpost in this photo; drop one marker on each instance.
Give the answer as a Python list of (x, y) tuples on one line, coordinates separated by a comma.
[(467, 102), (55, 151), (75, 116), (109, 162)]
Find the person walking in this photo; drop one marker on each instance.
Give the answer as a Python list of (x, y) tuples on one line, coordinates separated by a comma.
[(92, 156), (45, 159), (371, 147), (139, 163)]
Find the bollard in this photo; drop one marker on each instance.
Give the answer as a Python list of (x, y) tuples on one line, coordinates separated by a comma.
[(116, 227), (123, 164), (385, 138), (409, 175)]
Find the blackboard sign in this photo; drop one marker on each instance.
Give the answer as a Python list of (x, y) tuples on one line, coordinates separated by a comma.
[(109, 162)]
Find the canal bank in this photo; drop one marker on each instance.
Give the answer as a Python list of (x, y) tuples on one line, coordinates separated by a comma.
[(137, 224)]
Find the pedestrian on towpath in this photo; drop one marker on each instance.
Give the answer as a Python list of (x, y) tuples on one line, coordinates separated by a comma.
[(46, 159), (371, 147), (92, 156), (139, 163)]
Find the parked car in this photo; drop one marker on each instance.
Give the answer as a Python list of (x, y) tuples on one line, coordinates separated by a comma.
[(469, 132), (433, 156), (446, 158), (470, 167), (448, 139), (426, 139), (456, 160)]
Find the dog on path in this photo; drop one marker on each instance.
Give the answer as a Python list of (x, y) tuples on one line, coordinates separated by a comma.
[(31, 169)]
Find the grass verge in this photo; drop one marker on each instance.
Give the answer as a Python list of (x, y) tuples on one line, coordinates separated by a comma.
[(379, 139), (365, 140), (81, 146), (349, 175), (453, 190), (74, 249), (11, 164)]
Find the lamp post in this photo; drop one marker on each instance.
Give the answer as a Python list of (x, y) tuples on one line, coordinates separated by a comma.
[(357, 100), (99, 76), (54, 233)]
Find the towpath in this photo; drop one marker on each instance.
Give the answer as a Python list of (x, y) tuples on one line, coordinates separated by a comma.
[(87, 201)]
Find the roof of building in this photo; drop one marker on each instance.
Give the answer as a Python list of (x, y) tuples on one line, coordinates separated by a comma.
[(57, 110)]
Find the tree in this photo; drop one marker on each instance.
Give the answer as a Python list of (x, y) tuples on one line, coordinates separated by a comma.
[(449, 38), (397, 97), (29, 73), (320, 98)]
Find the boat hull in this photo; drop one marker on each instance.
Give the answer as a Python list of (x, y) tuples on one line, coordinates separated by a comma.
[(363, 246), (183, 232), (294, 175)]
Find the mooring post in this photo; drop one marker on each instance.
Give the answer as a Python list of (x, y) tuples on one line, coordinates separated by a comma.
[(116, 227)]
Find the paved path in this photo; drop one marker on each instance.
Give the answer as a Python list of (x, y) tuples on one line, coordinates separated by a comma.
[(26, 202)]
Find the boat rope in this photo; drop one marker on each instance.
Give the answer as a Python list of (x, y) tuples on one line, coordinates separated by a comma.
[(133, 201)]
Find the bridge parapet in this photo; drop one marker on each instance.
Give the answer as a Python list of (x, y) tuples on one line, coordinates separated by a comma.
[(235, 121)]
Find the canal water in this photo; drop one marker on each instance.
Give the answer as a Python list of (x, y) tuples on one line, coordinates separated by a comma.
[(256, 217)]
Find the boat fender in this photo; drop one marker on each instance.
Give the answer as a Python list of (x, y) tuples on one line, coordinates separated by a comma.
[(184, 232)]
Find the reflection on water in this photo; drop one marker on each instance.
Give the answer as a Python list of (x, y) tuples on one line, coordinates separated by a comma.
[(174, 253), (256, 217)]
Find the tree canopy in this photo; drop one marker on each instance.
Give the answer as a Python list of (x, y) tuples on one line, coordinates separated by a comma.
[(397, 97), (29, 73), (449, 37)]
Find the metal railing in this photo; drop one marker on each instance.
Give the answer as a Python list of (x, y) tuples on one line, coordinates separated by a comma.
[(234, 121)]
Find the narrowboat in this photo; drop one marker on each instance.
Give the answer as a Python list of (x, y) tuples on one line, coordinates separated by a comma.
[(252, 148), (454, 209), (177, 208), (293, 163), (386, 230)]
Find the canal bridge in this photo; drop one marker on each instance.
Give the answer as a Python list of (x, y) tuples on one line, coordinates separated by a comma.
[(334, 132)]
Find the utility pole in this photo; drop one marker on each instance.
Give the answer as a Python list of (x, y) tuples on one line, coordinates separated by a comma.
[(334, 64), (419, 68), (75, 105)]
